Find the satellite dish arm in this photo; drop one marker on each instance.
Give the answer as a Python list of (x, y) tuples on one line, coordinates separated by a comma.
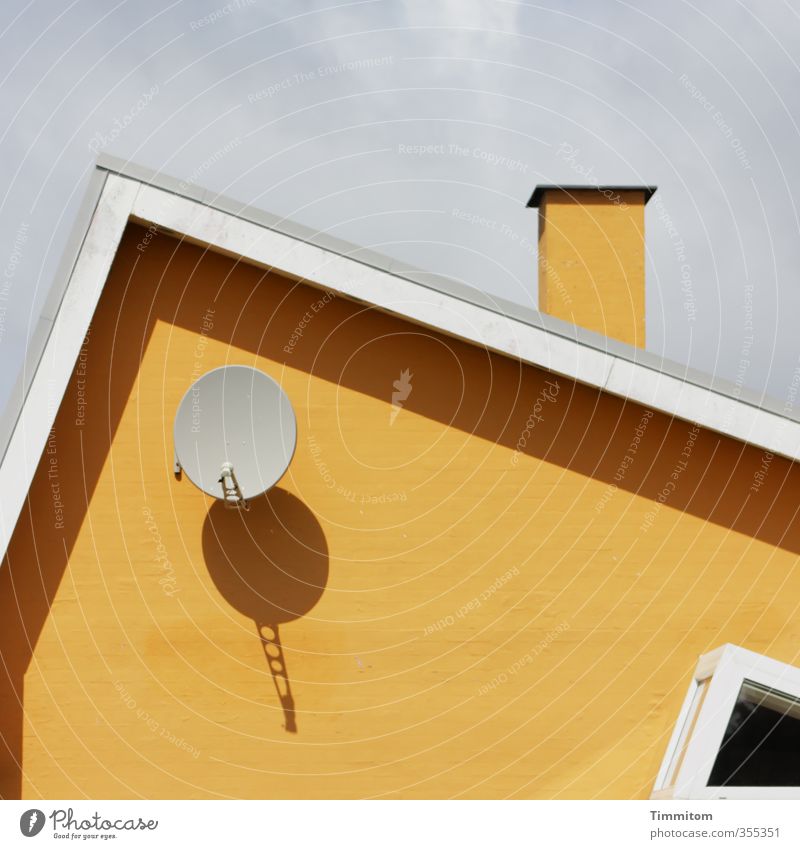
[(231, 493)]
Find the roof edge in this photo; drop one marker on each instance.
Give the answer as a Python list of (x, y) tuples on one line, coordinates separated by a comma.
[(446, 285), (130, 192)]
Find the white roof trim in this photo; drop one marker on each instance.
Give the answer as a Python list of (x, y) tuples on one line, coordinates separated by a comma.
[(53, 371), (443, 306)]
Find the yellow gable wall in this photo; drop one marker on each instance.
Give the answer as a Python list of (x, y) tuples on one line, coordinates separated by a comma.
[(465, 607)]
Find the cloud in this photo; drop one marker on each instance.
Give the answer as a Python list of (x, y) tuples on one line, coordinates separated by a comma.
[(509, 80)]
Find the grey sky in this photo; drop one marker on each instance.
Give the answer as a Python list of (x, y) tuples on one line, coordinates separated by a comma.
[(312, 111)]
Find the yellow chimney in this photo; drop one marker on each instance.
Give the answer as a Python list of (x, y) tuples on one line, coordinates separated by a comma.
[(591, 257)]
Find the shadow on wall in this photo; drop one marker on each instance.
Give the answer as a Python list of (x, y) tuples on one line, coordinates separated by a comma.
[(346, 343), (271, 564), (359, 347)]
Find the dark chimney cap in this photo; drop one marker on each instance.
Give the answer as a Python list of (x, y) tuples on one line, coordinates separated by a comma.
[(538, 192)]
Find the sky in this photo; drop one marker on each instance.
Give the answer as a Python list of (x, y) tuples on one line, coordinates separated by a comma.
[(420, 128)]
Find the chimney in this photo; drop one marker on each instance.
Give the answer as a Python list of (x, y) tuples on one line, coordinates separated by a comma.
[(591, 257)]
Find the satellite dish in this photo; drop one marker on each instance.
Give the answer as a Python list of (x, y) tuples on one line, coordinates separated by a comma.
[(235, 434)]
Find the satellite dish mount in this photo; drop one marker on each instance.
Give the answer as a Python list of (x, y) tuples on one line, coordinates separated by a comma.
[(231, 492)]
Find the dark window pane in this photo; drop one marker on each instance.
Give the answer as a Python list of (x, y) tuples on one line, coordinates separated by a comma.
[(761, 746)]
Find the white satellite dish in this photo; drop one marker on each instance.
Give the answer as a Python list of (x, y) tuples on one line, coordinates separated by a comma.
[(235, 434)]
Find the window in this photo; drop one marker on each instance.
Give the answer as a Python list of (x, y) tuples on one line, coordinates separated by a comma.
[(738, 732)]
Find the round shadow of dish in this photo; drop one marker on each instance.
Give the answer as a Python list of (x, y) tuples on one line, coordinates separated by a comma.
[(271, 562)]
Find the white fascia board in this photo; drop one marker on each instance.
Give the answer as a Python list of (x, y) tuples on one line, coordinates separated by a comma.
[(389, 292), (470, 322), (704, 407), (55, 368)]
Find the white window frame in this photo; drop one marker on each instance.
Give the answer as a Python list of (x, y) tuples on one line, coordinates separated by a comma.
[(704, 718)]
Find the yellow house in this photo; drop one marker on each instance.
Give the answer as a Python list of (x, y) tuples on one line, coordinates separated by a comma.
[(514, 556)]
